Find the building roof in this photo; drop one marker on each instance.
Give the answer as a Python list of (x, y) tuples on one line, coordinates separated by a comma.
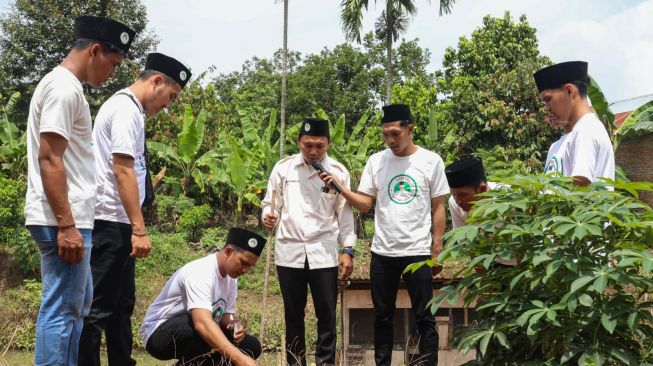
[(620, 117)]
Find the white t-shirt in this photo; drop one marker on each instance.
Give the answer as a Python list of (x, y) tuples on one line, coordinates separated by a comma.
[(196, 285), (403, 188), (586, 151), (119, 129), (59, 106)]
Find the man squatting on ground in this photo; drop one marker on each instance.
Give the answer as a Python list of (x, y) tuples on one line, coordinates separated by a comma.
[(193, 317)]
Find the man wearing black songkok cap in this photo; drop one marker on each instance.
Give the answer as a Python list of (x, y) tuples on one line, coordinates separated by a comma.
[(314, 222), (193, 317), (123, 186), (409, 185), (59, 205), (584, 151), (466, 180)]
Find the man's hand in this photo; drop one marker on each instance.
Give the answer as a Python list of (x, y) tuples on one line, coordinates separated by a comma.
[(346, 266), (239, 333), (141, 246), (270, 221), (327, 178), (70, 245), (245, 361), (435, 252)]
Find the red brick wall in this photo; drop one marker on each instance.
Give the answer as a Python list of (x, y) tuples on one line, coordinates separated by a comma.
[(635, 157)]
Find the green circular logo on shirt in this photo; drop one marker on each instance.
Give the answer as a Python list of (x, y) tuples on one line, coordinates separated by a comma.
[(554, 167), (402, 189), (218, 308)]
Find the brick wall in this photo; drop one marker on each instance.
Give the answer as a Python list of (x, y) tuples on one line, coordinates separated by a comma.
[(635, 157)]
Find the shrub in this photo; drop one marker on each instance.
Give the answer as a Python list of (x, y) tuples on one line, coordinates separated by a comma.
[(214, 238), (20, 307), (12, 230), (578, 295), (169, 253), (193, 220), (169, 210)]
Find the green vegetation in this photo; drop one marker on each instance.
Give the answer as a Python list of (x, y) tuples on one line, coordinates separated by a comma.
[(579, 293), (36, 35), (587, 250)]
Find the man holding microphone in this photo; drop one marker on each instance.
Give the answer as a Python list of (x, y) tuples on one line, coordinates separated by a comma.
[(314, 221), (408, 184)]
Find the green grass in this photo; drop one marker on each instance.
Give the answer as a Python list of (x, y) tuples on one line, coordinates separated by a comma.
[(13, 358)]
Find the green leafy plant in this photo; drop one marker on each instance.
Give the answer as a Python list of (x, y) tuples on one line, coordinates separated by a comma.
[(578, 294), (193, 220), (352, 150), (12, 226), (184, 157), (169, 210), (13, 148), (638, 123)]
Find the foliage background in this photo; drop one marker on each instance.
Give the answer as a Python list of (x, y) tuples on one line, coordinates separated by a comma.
[(220, 141)]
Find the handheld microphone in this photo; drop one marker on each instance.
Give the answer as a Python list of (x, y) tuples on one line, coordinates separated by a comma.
[(316, 164)]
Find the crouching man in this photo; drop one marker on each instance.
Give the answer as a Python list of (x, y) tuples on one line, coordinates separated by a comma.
[(193, 318)]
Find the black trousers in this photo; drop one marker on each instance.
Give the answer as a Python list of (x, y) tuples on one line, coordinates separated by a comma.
[(176, 339), (294, 283), (385, 273), (114, 296)]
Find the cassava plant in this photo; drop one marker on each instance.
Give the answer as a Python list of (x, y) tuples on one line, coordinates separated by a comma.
[(578, 295)]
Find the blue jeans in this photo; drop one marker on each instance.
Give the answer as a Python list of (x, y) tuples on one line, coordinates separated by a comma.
[(65, 299)]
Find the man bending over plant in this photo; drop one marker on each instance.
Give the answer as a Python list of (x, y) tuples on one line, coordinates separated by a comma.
[(193, 318)]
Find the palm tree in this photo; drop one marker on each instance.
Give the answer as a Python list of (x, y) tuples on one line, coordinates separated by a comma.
[(284, 77), (390, 25), (282, 140)]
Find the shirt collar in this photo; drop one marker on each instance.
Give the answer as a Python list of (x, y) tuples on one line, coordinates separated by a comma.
[(138, 102), (299, 160)]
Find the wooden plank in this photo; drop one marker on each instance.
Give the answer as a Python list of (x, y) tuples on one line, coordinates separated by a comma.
[(362, 299)]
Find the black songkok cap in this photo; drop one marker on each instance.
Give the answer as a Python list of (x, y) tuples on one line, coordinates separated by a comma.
[(104, 30), (168, 66), (246, 240), (314, 127), (396, 112), (466, 172), (557, 75)]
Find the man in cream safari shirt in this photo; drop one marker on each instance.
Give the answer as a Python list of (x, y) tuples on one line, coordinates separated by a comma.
[(314, 221)]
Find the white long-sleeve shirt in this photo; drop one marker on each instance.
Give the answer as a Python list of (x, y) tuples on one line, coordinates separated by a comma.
[(313, 223)]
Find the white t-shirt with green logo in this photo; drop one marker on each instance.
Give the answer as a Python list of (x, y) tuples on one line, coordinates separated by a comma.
[(196, 285), (403, 188), (586, 151)]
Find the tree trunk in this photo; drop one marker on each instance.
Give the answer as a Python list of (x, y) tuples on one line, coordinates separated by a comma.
[(388, 66), (284, 76)]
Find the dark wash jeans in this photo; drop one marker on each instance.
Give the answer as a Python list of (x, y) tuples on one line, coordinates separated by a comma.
[(114, 296), (385, 273)]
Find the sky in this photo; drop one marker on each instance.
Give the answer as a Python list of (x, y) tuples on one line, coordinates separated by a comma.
[(614, 36)]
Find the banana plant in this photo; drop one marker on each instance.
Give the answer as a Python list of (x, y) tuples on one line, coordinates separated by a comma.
[(638, 123), (13, 151), (352, 151), (244, 165), (184, 157)]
